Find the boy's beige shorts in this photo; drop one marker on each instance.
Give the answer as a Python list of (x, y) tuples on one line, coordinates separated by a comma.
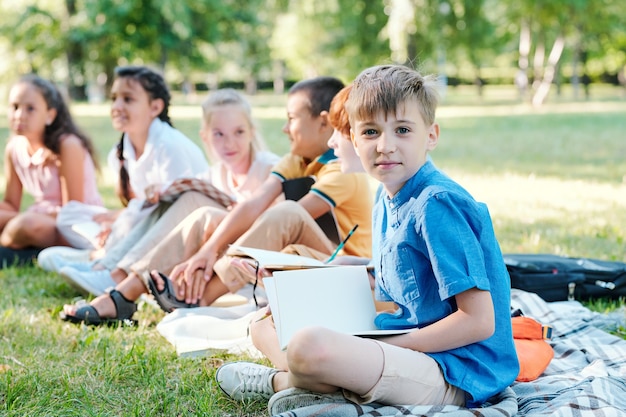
[(410, 378)]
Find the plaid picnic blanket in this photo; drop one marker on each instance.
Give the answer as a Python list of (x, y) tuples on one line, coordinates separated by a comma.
[(585, 378), (182, 185)]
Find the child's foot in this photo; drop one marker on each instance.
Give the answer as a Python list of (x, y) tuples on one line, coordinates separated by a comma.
[(162, 289), (103, 305), (246, 380), (113, 308)]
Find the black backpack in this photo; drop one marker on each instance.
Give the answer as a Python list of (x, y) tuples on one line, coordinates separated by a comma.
[(559, 278)]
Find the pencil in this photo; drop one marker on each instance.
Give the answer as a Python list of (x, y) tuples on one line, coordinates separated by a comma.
[(266, 315), (341, 245)]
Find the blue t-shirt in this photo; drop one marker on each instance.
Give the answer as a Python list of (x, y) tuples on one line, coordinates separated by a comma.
[(431, 241)]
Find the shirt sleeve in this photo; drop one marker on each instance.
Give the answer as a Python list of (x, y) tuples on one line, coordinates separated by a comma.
[(289, 167), (450, 228), (332, 184)]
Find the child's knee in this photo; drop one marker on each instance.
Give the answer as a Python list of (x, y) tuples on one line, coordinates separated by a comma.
[(308, 349), (19, 229)]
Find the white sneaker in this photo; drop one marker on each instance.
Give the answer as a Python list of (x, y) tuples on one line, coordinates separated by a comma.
[(92, 282), (246, 380), (56, 257)]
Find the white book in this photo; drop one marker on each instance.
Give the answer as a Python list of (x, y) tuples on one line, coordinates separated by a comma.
[(338, 298), (89, 230), (272, 260)]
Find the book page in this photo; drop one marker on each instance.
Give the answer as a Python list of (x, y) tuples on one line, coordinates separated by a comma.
[(273, 260), (337, 298), (89, 230)]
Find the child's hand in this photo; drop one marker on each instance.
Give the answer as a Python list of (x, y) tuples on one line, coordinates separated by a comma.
[(248, 266), (102, 237), (192, 276), (106, 217), (153, 193), (106, 221)]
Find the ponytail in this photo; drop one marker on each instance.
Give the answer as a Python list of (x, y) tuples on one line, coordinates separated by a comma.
[(124, 191)]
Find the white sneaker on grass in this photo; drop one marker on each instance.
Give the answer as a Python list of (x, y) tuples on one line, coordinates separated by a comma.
[(246, 380), (56, 257), (91, 282), (292, 398)]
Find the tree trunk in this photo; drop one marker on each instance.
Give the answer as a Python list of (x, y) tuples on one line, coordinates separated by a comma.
[(279, 77), (251, 85), (538, 60), (521, 79), (548, 74), (478, 81), (74, 55)]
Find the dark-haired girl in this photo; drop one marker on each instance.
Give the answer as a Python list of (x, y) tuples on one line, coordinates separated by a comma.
[(150, 152), (47, 157)]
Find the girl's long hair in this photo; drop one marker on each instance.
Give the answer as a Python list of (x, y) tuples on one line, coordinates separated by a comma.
[(154, 84), (63, 124)]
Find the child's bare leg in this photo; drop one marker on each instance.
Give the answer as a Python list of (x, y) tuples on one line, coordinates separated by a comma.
[(322, 360), (119, 275), (264, 338), (31, 229)]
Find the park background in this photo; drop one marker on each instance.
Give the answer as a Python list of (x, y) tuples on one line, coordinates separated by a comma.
[(549, 159)]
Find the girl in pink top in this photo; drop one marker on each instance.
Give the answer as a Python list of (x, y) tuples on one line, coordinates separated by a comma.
[(47, 157)]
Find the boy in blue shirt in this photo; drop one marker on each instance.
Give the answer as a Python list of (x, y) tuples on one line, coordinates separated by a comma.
[(436, 257)]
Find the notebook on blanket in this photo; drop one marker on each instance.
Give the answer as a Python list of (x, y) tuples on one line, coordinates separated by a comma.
[(337, 298)]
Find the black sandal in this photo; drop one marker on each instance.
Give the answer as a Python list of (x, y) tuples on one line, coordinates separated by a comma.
[(89, 315), (167, 298)]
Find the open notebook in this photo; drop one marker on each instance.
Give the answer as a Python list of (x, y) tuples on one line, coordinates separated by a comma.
[(277, 261), (338, 298)]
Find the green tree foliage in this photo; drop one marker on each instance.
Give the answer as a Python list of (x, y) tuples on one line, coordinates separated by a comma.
[(80, 40), (331, 37), (101, 34), (34, 33)]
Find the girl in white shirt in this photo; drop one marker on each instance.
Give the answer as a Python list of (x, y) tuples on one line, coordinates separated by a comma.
[(150, 152)]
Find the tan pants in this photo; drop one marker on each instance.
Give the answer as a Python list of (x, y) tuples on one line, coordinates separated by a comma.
[(183, 240), (281, 225), (152, 231)]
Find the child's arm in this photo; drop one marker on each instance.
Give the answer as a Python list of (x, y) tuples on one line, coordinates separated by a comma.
[(72, 156), (314, 205), (10, 206), (234, 225), (472, 322)]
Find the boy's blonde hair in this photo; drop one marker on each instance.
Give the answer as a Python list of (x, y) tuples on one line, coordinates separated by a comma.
[(383, 88), (229, 97)]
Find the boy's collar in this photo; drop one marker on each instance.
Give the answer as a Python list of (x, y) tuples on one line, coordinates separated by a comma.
[(327, 157), (408, 189)]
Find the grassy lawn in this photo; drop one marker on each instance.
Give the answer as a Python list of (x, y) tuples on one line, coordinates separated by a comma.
[(553, 178)]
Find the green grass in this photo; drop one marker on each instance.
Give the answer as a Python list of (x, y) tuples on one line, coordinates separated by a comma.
[(553, 178)]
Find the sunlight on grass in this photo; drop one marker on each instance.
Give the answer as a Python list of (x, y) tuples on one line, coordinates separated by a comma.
[(552, 215)]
